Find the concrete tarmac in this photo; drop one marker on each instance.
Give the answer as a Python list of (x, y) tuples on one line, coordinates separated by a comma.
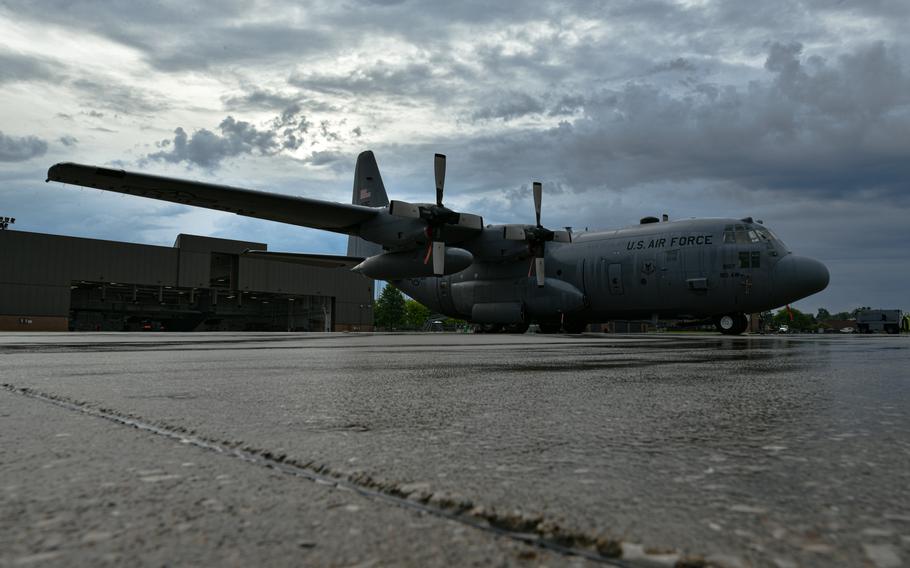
[(691, 449)]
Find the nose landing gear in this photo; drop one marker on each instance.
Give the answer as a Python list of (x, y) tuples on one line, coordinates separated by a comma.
[(731, 324)]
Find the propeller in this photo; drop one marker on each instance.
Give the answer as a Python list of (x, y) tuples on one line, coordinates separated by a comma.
[(437, 217), (536, 237)]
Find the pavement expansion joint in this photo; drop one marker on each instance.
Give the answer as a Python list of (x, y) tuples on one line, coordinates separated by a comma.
[(533, 530)]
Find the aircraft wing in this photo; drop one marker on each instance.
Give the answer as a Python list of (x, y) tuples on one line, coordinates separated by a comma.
[(302, 211), (320, 260)]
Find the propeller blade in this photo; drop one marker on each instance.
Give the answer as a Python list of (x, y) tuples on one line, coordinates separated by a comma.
[(470, 221), (439, 257), (404, 209), (440, 166), (562, 236), (539, 268), (513, 232), (538, 196)]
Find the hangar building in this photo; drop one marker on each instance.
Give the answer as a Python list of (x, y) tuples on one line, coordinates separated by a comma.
[(59, 283)]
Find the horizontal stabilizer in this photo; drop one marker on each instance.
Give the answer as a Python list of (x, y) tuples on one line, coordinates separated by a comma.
[(318, 260)]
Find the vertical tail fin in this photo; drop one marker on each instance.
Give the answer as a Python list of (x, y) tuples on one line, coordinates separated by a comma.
[(369, 191)]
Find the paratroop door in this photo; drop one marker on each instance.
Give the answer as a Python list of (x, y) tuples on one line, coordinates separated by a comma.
[(614, 275)]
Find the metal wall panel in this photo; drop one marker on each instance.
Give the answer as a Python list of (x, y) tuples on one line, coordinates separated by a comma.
[(211, 244), (34, 299), (52, 259), (254, 274), (36, 271), (194, 270), (104, 261)]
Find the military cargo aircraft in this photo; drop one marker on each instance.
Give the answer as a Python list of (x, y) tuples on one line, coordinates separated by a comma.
[(505, 277)]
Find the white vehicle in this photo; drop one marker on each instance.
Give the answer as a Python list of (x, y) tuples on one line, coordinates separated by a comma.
[(846, 330), (784, 329)]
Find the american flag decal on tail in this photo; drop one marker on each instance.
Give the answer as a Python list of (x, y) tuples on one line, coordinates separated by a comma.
[(364, 195)]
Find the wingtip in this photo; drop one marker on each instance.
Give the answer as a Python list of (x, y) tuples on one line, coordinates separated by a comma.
[(50, 172)]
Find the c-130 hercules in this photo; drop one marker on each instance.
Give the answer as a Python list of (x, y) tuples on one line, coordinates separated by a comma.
[(505, 277)]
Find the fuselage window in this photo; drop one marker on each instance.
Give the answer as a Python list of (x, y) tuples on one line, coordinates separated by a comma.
[(744, 260), (729, 235), (750, 259)]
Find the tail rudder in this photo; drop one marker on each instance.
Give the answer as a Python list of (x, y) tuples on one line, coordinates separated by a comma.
[(368, 191)]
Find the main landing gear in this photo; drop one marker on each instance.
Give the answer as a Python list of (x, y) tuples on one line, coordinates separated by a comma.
[(568, 326), (731, 324), (516, 328)]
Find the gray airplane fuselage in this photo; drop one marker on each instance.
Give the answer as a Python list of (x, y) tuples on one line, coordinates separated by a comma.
[(512, 275), (681, 269)]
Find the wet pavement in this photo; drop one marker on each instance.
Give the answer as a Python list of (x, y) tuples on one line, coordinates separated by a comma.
[(764, 451)]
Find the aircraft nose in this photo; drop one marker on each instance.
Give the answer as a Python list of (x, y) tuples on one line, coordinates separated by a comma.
[(796, 277)]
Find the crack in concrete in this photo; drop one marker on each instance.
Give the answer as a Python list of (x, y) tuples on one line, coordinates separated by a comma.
[(530, 529)]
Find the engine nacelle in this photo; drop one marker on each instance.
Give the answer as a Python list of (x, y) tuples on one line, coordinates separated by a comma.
[(410, 264)]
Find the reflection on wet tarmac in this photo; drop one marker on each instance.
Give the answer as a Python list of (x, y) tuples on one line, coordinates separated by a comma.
[(790, 449)]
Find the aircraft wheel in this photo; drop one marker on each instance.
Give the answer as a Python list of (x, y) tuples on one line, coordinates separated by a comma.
[(575, 326), (517, 328), (549, 327), (731, 324), (491, 328)]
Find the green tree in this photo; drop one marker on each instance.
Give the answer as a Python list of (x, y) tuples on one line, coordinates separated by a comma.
[(823, 315), (415, 314), (389, 311), (858, 310)]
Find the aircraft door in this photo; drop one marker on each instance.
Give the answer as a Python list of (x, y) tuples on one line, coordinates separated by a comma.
[(699, 293), (672, 278), (614, 278), (745, 266), (444, 295)]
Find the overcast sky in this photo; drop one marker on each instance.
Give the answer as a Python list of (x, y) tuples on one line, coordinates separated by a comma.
[(797, 113)]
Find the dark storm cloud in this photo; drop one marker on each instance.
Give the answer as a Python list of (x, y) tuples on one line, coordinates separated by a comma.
[(175, 36), (381, 78), (678, 64), (260, 99), (118, 97), (18, 67), (810, 124), (510, 106), (100, 91), (238, 43), (19, 149), (237, 137), (255, 98)]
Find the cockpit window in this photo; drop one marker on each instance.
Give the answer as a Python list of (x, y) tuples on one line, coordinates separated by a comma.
[(747, 235), (766, 234), (742, 235)]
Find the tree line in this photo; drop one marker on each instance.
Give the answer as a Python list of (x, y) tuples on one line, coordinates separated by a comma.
[(807, 322), (395, 312)]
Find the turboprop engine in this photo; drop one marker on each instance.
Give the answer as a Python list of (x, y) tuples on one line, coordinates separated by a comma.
[(411, 264)]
